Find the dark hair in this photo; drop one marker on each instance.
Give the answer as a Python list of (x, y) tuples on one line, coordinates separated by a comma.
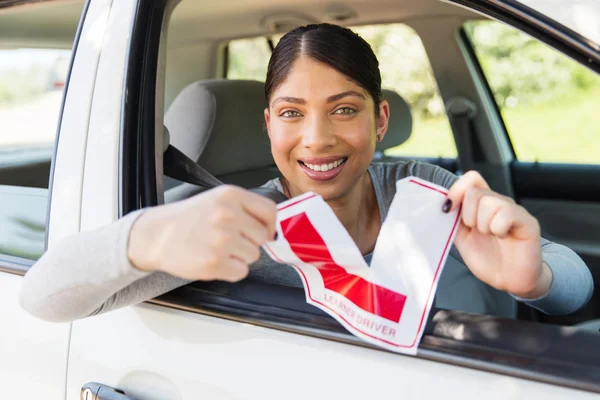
[(338, 47)]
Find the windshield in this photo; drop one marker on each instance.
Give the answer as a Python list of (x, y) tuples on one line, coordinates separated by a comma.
[(582, 16)]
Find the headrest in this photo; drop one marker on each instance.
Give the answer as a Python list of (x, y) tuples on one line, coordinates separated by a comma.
[(225, 116), (400, 123)]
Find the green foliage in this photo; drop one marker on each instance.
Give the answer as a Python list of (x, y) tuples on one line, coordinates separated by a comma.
[(248, 59), (404, 66), (521, 70)]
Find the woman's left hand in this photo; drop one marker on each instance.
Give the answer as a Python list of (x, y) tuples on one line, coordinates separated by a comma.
[(498, 239)]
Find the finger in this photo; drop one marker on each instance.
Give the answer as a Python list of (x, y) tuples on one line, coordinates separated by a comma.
[(244, 250), (253, 229), (461, 187), (234, 270), (502, 222), (471, 205), (515, 220), (262, 208), (489, 205)]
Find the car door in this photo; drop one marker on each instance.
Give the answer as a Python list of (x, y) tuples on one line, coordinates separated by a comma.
[(248, 340), (34, 60)]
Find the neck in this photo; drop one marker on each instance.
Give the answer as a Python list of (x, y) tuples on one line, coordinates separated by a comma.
[(358, 211)]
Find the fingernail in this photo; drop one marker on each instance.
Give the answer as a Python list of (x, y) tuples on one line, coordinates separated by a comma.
[(276, 235), (447, 205)]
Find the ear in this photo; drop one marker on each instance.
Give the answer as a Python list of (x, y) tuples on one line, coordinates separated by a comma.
[(267, 119), (383, 119)]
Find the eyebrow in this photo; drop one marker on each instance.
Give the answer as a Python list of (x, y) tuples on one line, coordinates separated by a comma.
[(340, 96), (295, 100), (330, 99)]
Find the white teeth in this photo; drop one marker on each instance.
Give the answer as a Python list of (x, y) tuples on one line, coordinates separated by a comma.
[(325, 167)]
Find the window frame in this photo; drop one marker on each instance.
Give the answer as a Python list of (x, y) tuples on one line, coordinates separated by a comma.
[(236, 302)]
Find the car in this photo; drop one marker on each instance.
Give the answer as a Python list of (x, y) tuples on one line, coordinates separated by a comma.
[(508, 88)]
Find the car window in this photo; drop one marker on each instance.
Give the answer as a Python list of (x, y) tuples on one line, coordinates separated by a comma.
[(31, 87), (405, 69), (549, 102)]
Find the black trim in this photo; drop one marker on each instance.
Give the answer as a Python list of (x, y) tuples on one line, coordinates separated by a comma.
[(60, 116), (544, 353), (225, 61), (540, 27), (15, 265), (138, 186), (551, 181), (470, 49), (270, 44)]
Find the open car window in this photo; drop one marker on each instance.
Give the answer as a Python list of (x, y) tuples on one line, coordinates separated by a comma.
[(520, 348)]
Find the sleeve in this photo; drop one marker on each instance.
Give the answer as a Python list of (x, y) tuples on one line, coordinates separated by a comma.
[(90, 273), (572, 284)]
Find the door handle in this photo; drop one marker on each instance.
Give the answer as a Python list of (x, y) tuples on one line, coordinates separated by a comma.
[(98, 391)]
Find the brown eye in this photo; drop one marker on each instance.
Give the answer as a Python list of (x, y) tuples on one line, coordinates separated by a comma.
[(290, 114), (345, 111)]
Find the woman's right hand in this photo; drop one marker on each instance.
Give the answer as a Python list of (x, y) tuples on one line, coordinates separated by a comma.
[(214, 235)]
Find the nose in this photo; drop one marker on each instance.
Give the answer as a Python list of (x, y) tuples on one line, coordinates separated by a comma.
[(319, 135)]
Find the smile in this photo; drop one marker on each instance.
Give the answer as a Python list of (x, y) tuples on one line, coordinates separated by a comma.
[(324, 169)]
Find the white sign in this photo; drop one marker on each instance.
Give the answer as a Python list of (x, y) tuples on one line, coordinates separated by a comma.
[(386, 304)]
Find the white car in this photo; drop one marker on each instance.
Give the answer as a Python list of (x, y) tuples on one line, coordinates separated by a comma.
[(525, 116)]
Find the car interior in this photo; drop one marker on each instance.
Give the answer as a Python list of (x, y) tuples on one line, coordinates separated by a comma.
[(218, 122)]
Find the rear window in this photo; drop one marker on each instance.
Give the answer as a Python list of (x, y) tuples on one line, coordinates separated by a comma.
[(405, 68)]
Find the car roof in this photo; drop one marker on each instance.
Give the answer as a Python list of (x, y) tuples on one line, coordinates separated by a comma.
[(53, 23)]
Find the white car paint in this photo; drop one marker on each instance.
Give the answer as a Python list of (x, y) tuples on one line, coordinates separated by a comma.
[(101, 178), (33, 353), (65, 206), (155, 353)]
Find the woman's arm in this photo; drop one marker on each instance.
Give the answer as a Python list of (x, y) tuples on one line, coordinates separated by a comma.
[(212, 236), (90, 273), (570, 280), (500, 243)]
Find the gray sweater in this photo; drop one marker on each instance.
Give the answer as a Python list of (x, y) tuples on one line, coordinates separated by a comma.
[(90, 273)]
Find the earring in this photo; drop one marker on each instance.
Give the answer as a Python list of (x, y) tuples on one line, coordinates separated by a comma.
[(379, 137)]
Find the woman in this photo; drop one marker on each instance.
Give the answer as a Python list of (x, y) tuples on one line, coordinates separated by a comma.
[(325, 114)]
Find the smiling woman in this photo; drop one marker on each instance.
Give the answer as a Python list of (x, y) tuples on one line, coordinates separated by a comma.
[(324, 116)]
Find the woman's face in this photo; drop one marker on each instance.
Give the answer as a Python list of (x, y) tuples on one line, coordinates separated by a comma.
[(323, 129)]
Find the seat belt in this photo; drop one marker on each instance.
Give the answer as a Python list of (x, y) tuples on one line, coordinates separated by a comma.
[(462, 112), (179, 166)]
